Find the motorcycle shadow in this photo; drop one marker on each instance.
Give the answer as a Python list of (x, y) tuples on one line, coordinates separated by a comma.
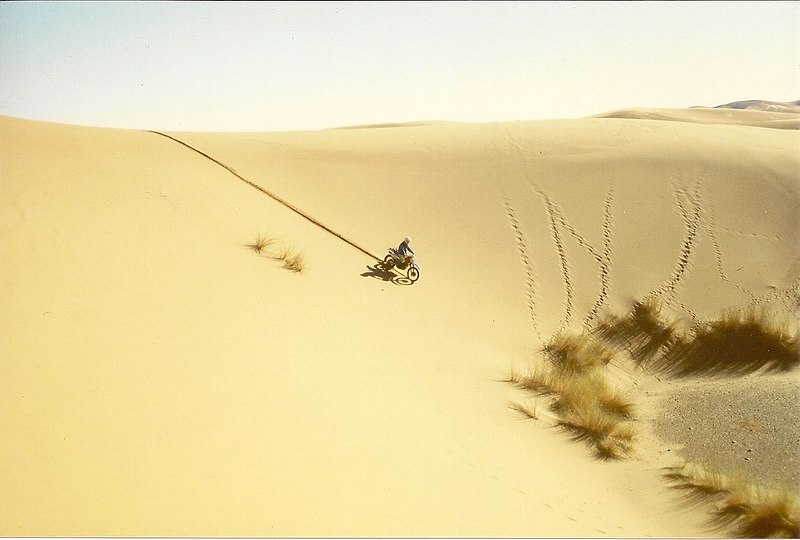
[(378, 271)]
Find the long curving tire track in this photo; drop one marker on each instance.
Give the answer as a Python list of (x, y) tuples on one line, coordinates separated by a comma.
[(711, 226), (530, 279), (688, 204), (605, 260), (270, 194), (582, 242), (569, 290)]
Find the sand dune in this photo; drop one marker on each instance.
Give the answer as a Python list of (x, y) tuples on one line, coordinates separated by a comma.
[(160, 378), (763, 105), (769, 117)]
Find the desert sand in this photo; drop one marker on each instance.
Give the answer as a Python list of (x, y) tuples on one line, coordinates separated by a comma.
[(160, 378)]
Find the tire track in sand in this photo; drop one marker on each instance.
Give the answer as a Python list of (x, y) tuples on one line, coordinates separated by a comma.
[(272, 195), (559, 222), (569, 290), (688, 204), (711, 225), (530, 280), (788, 296), (605, 260)]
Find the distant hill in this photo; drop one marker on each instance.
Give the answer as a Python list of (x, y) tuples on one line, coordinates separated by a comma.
[(762, 105)]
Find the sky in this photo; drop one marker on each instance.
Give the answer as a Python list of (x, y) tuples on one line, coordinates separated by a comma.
[(287, 66)]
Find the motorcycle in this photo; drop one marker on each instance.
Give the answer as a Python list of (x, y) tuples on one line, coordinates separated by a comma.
[(407, 264)]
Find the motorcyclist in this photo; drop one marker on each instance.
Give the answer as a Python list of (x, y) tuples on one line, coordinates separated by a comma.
[(404, 250)]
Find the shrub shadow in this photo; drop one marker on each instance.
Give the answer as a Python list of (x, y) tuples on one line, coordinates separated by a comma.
[(731, 347), (736, 344)]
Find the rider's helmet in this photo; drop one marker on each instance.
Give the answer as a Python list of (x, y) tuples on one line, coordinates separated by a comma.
[(407, 240)]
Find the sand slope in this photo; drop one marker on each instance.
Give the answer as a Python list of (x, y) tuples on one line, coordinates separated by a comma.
[(755, 115), (160, 378)]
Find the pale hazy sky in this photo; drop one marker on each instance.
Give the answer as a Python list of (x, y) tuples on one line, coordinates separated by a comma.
[(273, 66)]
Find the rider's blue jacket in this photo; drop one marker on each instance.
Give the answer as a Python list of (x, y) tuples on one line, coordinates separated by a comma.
[(404, 249)]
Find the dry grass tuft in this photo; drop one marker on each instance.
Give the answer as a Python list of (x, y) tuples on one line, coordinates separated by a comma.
[(514, 378), (618, 443), (580, 396), (573, 377), (585, 391), (611, 438), (643, 332), (761, 514), (525, 410), (541, 381), (577, 392), (576, 353), (747, 510), (261, 243), (618, 404), (699, 483), (593, 412), (291, 260), (737, 344)]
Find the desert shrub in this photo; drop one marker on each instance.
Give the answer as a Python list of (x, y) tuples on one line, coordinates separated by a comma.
[(594, 413), (736, 344), (616, 403), (541, 381), (739, 505), (643, 332), (618, 443), (700, 484), (582, 391), (528, 411), (609, 437), (292, 261), (576, 353), (754, 512), (261, 243), (584, 404)]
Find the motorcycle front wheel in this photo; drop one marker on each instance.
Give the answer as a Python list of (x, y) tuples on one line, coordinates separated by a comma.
[(413, 274)]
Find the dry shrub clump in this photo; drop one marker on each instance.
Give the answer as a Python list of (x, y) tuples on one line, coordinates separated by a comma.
[(576, 353), (528, 411), (643, 332), (291, 260), (261, 243), (741, 507), (583, 402), (738, 343)]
